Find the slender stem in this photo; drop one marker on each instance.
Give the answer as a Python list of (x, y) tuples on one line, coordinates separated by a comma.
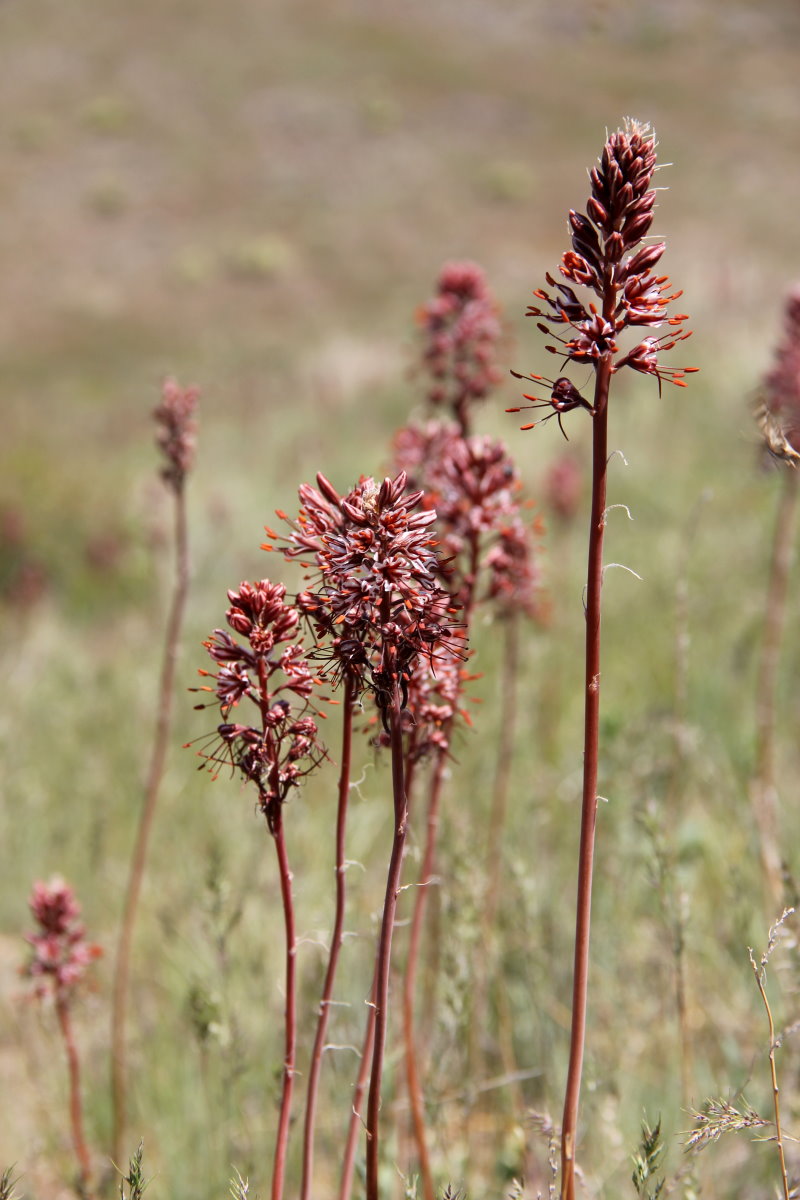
[(590, 762), (75, 1103), (290, 1010), (764, 790), (336, 942), (415, 935), (355, 1122), (416, 1102), (155, 773), (385, 942), (759, 974), (365, 1062)]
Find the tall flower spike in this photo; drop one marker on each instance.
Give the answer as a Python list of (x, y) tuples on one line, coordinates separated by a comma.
[(607, 257), (461, 332)]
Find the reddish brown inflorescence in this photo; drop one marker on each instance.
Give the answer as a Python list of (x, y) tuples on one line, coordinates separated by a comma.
[(176, 431), (375, 601), (461, 331), (779, 413), (607, 257), (61, 953), (474, 485), (265, 666)]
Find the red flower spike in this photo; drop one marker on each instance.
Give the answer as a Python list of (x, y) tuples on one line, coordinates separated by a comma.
[(607, 258), (272, 673), (176, 431)]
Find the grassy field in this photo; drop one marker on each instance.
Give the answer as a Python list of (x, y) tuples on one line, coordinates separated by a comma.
[(255, 197)]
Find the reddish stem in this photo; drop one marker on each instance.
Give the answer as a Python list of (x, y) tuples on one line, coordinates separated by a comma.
[(290, 1010), (590, 763), (356, 1120), (336, 941), (155, 773), (415, 1096), (418, 916), (381, 998), (75, 1104)]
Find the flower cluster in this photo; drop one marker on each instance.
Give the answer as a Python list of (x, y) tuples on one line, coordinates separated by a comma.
[(176, 431), (433, 696), (265, 666), (607, 257), (514, 578), (61, 953), (461, 331), (474, 485), (375, 602), (779, 411)]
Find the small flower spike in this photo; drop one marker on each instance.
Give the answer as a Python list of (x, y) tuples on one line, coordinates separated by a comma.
[(607, 257), (461, 332), (266, 667), (61, 953), (778, 410), (176, 431)]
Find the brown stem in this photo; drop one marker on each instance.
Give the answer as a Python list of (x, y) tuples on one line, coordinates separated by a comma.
[(336, 942), (385, 941), (75, 1103), (764, 792), (290, 1011), (355, 1122), (155, 773), (759, 974), (590, 762), (418, 916)]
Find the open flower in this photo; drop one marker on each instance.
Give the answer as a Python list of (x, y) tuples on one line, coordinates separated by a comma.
[(374, 598)]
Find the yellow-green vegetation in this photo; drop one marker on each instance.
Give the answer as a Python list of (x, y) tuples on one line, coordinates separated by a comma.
[(255, 197)]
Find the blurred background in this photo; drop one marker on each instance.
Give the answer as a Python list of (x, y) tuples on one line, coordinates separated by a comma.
[(255, 197)]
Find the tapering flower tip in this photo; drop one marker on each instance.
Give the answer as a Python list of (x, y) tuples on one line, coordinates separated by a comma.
[(176, 431), (61, 953), (778, 412), (606, 256), (461, 332)]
